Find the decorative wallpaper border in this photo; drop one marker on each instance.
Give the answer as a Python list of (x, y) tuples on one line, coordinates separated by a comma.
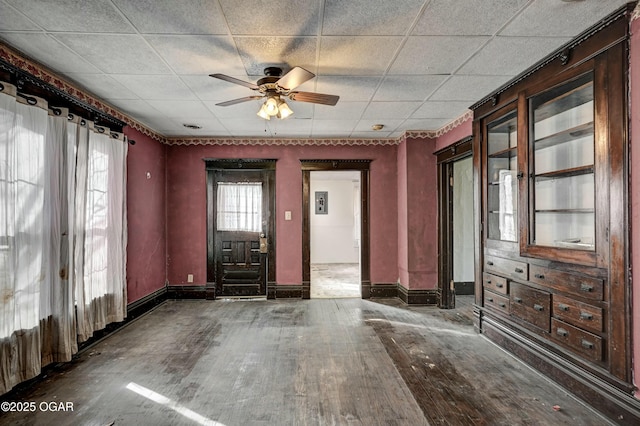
[(37, 70)]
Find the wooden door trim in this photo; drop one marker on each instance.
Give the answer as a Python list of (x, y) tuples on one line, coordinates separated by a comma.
[(446, 158), (212, 165), (307, 167)]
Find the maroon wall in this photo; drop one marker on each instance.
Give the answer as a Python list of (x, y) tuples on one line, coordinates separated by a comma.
[(417, 214), (146, 247), (186, 206)]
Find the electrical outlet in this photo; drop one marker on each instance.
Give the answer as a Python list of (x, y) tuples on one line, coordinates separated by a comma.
[(190, 278), (287, 215)]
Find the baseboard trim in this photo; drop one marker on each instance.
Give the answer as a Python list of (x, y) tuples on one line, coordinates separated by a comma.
[(384, 290), (187, 291), (621, 407), (428, 297), (146, 303), (291, 291)]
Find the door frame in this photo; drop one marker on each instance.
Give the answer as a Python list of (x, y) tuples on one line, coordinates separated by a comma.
[(212, 165), (326, 165), (445, 159)]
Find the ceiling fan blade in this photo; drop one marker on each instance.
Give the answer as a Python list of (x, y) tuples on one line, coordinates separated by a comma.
[(315, 98), (239, 100), (235, 80), (294, 78)]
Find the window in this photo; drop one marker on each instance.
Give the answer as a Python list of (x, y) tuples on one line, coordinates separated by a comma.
[(239, 206)]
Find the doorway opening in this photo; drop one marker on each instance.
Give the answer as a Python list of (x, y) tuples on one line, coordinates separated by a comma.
[(456, 266), (335, 236)]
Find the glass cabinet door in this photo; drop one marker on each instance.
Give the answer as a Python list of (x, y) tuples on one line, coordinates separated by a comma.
[(502, 186), (561, 166)]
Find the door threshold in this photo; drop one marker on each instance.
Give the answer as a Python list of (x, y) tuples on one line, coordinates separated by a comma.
[(245, 298)]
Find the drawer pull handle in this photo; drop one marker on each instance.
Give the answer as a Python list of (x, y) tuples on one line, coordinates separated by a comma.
[(562, 332), (586, 288), (490, 299), (586, 316), (488, 281), (490, 263), (499, 285), (563, 307), (586, 344), (519, 270), (502, 305), (539, 276), (517, 299), (538, 308)]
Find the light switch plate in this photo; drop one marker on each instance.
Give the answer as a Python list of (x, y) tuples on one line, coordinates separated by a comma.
[(287, 215)]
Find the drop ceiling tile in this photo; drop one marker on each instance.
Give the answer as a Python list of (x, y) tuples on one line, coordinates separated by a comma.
[(372, 135), (295, 17), (165, 17), (257, 53), (435, 54), (425, 123), (342, 110), (365, 125), (49, 52), (248, 124), (302, 110), (369, 17), (74, 15), (470, 88), (333, 126), (349, 88), (12, 20), (182, 110), (466, 17), (209, 126), (291, 125), (511, 55), (112, 53), (366, 55), (557, 18), (198, 55), (436, 109), (151, 87), (102, 85), (385, 110), (135, 108), (408, 87)]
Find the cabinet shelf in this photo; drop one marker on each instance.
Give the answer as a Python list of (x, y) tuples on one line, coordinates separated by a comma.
[(505, 153), (567, 100), (565, 136), (567, 211), (565, 173)]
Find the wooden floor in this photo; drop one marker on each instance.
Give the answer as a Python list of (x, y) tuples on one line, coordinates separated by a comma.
[(295, 362)]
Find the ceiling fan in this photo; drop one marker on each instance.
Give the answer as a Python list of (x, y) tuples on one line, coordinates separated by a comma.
[(274, 86)]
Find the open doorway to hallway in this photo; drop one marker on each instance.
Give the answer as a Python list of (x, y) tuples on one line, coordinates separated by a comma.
[(335, 236)]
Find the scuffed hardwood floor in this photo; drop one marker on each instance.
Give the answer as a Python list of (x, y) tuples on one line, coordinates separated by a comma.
[(295, 362)]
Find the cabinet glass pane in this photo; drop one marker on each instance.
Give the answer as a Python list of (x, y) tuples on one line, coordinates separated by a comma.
[(562, 166), (502, 190)]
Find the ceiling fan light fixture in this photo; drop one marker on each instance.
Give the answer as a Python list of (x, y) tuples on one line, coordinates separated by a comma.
[(271, 106), (283, 110), (262, 113)]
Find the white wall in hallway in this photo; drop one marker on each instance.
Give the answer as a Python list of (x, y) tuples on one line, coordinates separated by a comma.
[(335, 236)]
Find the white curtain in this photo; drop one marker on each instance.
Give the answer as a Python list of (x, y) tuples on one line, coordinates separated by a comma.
[(101, 222), (45, 204), (239, 206)]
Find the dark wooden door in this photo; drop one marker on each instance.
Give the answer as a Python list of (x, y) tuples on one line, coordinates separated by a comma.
[(241, 220)]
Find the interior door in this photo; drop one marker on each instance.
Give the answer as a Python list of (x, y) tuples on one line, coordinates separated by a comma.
[(241, 223)]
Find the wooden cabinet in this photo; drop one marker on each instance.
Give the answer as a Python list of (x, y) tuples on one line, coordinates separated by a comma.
[(551, 155)]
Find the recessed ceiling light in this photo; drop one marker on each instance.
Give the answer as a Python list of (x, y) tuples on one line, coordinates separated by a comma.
[(192, 126), (377, 127)]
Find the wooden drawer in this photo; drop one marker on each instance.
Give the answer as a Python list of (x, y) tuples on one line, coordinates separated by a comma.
[(580, 341), (494, 283), (496, 301), (531, 305), (567, 282), (506, 267), (577, 313)]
